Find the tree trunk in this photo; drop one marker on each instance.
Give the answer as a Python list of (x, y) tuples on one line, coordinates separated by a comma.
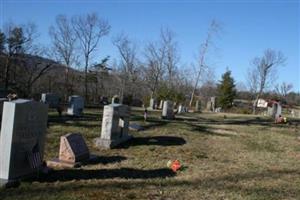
[(195, 87), (255, 103), (7, 72), (85, 78)]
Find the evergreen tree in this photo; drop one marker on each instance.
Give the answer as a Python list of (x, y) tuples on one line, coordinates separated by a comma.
[(226, 90), (2, 41)]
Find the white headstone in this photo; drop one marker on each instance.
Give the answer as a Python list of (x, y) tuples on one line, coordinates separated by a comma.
[(167, 112), (2, 100), (261, 103), (22, 139), (161, 104), (115, 125), (278, 111), (76, 105), (275, 110), (152, 104), (180, 109), (213, 103)]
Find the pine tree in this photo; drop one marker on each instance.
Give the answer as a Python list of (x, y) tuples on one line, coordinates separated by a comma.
[(226, 90)]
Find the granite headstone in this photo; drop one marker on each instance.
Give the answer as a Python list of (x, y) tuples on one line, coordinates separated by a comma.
[(115, 126), (167, 112), (22, 139), (76, 105), (51, 99), (72, 151)]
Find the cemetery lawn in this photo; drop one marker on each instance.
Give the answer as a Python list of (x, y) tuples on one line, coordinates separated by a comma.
[(223, 157)]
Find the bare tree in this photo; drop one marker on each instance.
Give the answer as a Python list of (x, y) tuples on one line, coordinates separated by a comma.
[(283, 89), (252, 81), (155, 55), (171, 58), (64, 40), (264, 68), (89, 29), (64, 46), (213, 29), (129, 62)]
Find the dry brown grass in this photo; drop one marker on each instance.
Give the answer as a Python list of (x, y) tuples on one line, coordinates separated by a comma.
[(232, 157)]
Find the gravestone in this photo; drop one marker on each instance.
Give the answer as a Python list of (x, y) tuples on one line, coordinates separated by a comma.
[(51, 99), (115, 100), (161, 104), (115, 126), (167, 112), (2, 100), (185, 109), (72, 151), (279, 110), (208, 106), (22, 139), (261, 103), (152, 105), (295, 113), (213, 103), (275, 110), (76, 105), (180, 109), (198, 106)]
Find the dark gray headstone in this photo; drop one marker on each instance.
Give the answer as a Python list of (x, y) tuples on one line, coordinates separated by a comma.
[(51, 99), (76, 105)]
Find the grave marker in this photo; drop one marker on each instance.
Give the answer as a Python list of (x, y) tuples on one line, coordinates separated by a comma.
[(115, 126), (167, 112), (161, 104), (22, 139), (76, 105), (72, 151), (198, 106), (115, 100), (152, 104), (51, 99)]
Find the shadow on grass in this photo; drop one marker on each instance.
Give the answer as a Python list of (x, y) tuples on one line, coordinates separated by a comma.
[(212, 131), (155, 140), (232, 183), (253, 121), (105, 160), (151, 122), (75, 121), (126, 173), (155, 123)]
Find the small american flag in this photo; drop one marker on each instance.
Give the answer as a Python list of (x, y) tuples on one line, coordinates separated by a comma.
[(34, 158)]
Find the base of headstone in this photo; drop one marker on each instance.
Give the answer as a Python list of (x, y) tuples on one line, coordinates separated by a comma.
[(135, 127), (9, 183), (169, 118), (108, 144), (56, 163), (62, 164)]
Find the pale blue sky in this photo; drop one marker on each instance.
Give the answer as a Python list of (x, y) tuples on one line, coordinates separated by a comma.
[(249, 27)]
